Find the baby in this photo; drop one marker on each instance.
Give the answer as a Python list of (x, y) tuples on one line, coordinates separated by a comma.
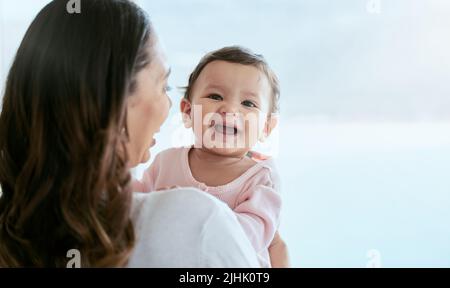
[(230, 102)]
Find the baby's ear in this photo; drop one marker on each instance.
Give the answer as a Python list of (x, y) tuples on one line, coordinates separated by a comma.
[(186, 108), (271, 123)]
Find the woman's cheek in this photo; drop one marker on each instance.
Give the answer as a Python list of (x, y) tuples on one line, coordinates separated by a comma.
[(161, 109), (167, 106), (145, 156)]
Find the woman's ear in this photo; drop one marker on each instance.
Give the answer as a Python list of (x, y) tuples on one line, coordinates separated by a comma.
[(271, 123), (186, 108)]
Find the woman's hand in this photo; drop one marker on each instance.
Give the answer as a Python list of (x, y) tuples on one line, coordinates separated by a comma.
[(278, 251)]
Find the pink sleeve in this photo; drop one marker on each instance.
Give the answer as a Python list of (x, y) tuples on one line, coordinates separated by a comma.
[(147, 183), (258, 212)]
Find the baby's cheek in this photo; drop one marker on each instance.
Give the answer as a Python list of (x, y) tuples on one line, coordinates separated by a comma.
[(206, 116), (252, 132), (257, 122), (200, 120)]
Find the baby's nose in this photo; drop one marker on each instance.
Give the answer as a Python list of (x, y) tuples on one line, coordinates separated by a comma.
[(230, 116), (227, 113), (231, 110)]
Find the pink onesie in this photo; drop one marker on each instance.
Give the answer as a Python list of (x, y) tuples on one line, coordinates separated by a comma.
[(253, 196)]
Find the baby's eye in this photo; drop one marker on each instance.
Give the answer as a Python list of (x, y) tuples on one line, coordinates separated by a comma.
[(215, 97), (248, 103)]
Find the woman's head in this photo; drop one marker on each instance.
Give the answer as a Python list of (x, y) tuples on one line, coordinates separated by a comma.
[(148, 105), (237, 93), (66, 135)]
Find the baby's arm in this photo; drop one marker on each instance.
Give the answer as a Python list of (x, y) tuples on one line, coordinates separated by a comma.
[(258, 212), (278, 251)]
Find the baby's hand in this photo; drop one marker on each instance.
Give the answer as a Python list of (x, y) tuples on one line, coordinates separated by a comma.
[(257, 156), (278, 251)]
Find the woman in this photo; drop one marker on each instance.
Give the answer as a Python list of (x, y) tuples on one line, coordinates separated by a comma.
[(84, 97)]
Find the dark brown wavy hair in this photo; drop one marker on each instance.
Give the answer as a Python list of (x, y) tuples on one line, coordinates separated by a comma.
[(63, 163)]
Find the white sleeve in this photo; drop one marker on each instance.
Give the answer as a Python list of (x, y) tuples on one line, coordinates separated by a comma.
[(225, 244), (187, 228)]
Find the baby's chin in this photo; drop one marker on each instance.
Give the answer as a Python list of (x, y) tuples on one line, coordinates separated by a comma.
[(228, 152)]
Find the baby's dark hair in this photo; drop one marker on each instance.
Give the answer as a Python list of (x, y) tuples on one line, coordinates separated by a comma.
[(239, 55)]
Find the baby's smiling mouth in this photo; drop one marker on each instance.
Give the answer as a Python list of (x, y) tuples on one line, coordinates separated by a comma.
[(224, 129), (227, 130)]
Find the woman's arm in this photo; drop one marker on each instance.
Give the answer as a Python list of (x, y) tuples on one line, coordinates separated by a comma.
[(186, 227), (225, 242)]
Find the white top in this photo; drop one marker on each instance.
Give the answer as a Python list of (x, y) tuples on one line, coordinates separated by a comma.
[(186, 227)]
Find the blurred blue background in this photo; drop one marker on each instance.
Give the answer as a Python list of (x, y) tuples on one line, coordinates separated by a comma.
[(363, 145)]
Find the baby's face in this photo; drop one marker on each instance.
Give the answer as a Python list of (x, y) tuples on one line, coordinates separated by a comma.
[(233, 101)]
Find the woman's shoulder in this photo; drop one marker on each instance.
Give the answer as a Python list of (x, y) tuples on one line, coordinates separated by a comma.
[(187, 199), (186, 227)]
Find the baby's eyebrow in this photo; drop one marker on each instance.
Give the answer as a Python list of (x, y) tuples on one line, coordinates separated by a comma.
[(250, 93), (214, 86)]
